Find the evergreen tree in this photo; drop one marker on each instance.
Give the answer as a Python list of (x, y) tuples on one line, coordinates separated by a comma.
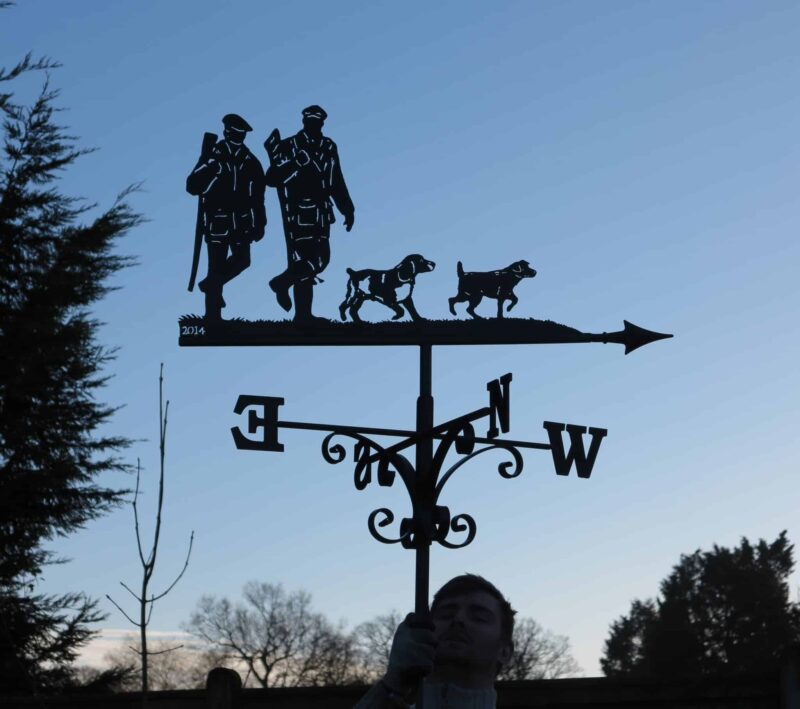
[(55, 263), (725, 611)]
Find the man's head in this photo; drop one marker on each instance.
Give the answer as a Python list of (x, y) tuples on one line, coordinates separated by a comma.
[(313, 120), (473, 626), (235, 129)]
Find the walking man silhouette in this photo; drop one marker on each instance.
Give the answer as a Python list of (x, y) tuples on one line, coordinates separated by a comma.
[(307, 174)]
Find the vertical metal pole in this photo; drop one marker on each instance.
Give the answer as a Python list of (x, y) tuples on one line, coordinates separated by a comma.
[(424, 485), (423, 493)]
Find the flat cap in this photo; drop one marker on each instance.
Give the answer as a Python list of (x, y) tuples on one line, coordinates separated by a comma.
[(314, 112), (235, 121)]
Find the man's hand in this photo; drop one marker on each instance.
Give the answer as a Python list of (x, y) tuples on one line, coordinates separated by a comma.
[(214, 165), (411, 656), (348, 221), (302, 158)]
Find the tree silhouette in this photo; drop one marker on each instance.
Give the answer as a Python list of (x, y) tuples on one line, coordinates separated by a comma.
[(169, 667), (726, 611), (53, 268), (373, 639), (145, 603), (538, 654), (275, 638)]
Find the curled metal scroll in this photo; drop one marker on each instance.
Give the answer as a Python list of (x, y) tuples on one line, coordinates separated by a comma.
[(389, 464), (388, 518), (363, 453), (507, 469), (335, 453), (463, 437), (462, 434), (461, 523)]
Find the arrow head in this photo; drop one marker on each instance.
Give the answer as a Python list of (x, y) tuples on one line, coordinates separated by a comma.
[(634, 337)]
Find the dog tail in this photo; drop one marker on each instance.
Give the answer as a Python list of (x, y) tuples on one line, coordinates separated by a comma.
[(460, 270)]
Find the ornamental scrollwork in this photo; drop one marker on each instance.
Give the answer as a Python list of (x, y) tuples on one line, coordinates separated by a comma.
[(366, 452), (507, 469), (406, 529), (460, 523)]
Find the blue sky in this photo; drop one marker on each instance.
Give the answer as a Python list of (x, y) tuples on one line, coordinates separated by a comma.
[(641, 155)]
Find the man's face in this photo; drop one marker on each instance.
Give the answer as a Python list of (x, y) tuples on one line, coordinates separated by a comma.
[(234, 136), (313, 126), (468, 630)]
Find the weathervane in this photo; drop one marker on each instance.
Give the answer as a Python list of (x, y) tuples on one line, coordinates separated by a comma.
[(425, 478), (306, 172)]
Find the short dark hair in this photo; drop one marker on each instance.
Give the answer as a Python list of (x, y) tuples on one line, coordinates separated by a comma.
[(466, 583)]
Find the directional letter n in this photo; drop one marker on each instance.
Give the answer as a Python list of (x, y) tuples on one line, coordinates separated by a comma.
[(499, 405), (563, 461)]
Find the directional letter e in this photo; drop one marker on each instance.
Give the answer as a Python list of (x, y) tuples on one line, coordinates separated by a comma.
[(269, 422), (583, 462)]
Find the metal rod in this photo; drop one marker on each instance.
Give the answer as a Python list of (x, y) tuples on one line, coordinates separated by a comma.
[(346, 429), (423, 493), (514, 444), (438, 432), (424, 484)]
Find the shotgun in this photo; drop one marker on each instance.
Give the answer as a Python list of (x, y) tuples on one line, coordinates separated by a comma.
[(209, 141)]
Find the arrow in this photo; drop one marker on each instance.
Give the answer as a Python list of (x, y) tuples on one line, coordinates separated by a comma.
[(195, 332), (633, 337)]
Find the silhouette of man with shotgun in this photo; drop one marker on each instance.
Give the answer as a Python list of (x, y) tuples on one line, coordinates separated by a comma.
[(229, 181), (306, 172)]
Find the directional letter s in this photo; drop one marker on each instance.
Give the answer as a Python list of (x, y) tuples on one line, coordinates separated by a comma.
[(583, 462)]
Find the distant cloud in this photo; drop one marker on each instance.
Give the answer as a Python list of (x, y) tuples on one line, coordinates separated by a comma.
[(111, 638)]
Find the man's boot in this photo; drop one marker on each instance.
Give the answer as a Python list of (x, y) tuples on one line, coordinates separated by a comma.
[(303, 297), (214, 306), (280, 286), (204, 287)]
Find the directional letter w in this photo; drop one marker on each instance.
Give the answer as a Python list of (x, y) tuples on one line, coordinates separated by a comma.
[(583, 462)]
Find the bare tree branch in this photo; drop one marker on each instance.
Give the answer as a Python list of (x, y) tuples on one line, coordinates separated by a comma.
[(149, 612), (538, 654), (121, 611), (171, 667), (136, 513), (127, 588), (153, 653), (178, 578), (146, 604)]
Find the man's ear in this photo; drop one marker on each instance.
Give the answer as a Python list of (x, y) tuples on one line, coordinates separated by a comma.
[(506, 651)]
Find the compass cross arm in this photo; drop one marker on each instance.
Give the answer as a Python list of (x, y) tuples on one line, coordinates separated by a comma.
[(439, 431), (263, 414)]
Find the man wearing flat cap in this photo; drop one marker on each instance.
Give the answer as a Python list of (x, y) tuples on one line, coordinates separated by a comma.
[(306, 172), (229, 181)]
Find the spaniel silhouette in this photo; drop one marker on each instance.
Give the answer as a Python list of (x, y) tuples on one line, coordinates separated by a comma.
[(393, 288)]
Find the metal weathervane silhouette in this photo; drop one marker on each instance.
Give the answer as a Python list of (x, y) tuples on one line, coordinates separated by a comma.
[(306, 173)]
